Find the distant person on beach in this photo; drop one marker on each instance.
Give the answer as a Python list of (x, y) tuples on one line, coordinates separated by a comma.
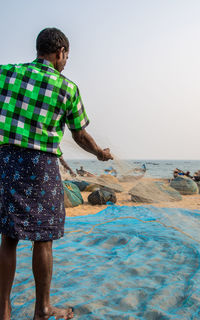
[(196, 176), (144, 168), (177, 172), (36, 102), (81, 172)]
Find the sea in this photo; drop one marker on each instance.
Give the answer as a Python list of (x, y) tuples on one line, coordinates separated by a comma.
[(155, 168)]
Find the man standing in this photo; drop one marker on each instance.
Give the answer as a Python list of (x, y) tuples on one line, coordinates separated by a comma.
[(36, 101)]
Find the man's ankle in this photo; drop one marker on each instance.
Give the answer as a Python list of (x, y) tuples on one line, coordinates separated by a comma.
[(5, 310), (42, 310)]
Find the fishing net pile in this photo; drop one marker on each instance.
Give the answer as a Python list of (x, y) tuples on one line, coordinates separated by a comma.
[(122, 263), (125, 262)]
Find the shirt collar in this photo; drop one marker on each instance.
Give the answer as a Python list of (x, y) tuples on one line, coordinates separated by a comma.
[(44, 62)]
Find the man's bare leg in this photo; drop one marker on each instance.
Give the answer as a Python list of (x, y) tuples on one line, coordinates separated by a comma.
[(42, 270), (7, 273)]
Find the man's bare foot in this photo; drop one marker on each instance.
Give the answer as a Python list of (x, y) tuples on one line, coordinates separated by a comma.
[(54, 312)]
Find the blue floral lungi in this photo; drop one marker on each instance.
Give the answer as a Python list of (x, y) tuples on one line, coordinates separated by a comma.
[(31, 194)]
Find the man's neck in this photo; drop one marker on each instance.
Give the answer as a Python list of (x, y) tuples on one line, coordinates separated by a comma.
[(49, 57)]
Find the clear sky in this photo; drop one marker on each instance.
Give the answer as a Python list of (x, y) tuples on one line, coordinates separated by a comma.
[(137, 65)]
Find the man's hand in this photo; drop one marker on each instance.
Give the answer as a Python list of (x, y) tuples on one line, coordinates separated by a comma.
[(72, 174), (86, 142), (104, 155)]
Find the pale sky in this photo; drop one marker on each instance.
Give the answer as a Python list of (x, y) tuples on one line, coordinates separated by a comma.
[(136, 63)]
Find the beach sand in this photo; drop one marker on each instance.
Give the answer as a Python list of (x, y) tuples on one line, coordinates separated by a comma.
[(123, 199)]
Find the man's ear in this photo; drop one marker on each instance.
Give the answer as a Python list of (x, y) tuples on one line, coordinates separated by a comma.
[(63, 52), (58, 54)]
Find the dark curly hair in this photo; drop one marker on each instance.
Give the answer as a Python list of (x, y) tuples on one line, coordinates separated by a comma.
[(50, 40)]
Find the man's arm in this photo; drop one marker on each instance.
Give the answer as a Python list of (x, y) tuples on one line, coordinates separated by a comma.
[(65, 165), (86, 142)]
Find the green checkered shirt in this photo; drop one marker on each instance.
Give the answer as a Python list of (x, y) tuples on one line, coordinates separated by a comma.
[(36, 102)]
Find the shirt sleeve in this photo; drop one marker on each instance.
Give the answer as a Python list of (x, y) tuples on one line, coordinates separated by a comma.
[(76, 118)]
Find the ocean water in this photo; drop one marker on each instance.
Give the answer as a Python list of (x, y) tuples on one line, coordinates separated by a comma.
[(155, 168)]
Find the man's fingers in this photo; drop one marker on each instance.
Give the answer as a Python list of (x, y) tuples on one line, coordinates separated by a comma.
[(106, 149), (107, 155)]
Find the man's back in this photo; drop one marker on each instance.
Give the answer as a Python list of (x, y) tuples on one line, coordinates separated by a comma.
[(36, 102)]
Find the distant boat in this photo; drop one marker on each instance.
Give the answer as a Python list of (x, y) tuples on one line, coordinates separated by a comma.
[(153, 163), (112, 171)]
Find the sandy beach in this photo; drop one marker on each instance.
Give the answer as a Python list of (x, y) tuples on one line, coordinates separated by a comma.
[(123, 199)]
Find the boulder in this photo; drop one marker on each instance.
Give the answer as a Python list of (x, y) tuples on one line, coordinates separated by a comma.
[(105, 182), (130, 178), (108, 178), (198, 185), (153, 191), (184, 185), (102, 196), (72, 195), (103, 185), (82, 185), (111, 182), (92, 187)]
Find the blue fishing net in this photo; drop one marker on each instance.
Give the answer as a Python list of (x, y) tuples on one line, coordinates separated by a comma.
[(122, 263)]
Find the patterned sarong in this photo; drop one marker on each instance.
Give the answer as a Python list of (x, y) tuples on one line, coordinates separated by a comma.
[(31, 194)]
